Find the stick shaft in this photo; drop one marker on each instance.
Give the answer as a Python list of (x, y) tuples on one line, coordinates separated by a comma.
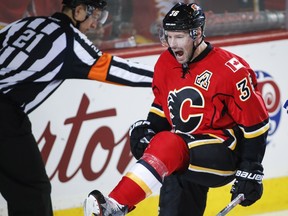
[(231, 205)]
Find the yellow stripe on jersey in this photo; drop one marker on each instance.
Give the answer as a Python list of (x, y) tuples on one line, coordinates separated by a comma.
[(100, 69), (209, 170), (195, 143), (157, 112), (256, 133), (233, 145), (139, 182)]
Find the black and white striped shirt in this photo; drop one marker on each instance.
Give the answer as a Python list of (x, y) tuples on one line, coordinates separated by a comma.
[(38, 53)]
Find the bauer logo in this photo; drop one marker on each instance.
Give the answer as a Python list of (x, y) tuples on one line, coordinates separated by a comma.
[(271, 95)]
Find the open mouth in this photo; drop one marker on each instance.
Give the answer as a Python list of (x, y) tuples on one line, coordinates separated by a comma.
[(179, 53)]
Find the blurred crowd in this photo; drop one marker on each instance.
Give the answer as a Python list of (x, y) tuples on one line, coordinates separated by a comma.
[(133, 22)]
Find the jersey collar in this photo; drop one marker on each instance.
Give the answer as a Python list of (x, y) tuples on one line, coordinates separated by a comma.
[(204, 53), (63, 17)]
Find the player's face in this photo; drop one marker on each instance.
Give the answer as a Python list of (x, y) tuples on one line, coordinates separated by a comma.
[(181, 44), (91, 22)]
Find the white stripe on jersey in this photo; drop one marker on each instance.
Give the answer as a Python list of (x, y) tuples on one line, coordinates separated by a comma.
[(86, 40), (18, 60), (12, 80), (35, 23), (50, 28), (49, 75), (12, 30), (37, 66), (4, 71), (58, 46), (42, 95), (124, 74), (133, 64), (5, 54), (83, 54), (34, 43)]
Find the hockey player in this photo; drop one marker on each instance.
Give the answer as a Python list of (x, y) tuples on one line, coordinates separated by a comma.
[(206, 127), (36, 55)]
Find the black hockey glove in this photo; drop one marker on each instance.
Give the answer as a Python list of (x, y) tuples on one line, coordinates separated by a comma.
[(249, 182), (140, 135)]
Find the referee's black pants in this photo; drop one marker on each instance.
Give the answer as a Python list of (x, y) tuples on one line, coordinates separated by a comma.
[(23, 180)]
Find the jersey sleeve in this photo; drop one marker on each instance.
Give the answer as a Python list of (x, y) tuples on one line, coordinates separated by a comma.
[(249, 112), (156, 114), (92, 63), (157, 118), (116, 70)]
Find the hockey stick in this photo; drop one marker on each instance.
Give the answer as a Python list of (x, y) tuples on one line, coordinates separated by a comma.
[(231, 205)]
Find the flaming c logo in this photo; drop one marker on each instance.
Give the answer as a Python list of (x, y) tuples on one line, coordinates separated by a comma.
[(271, 95)]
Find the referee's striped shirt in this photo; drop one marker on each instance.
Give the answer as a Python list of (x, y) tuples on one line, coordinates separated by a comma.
[(38, 53)]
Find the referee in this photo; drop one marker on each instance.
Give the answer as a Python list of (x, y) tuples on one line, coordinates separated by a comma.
[(36, 55)]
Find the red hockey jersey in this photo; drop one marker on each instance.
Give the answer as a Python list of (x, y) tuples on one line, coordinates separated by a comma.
[(218, 93)]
